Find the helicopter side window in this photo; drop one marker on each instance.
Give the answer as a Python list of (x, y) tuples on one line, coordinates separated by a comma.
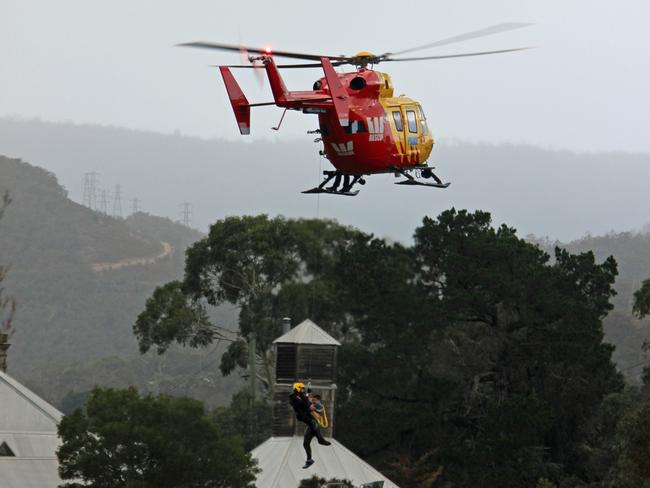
[(413, 125), (423, 120), (397, 118), (355, 127)]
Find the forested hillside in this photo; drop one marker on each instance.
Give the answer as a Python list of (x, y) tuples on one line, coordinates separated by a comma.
[(73, 323), (632, 253)]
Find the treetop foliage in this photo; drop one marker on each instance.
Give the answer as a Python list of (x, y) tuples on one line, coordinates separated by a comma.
[(469, 357), (641, 305), (477, 355), (270, 268), (176, 320), (318, 482), (124, 439)]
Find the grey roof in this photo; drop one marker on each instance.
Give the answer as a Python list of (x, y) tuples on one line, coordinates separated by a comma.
[(281, 459), (307, 332), (28, 426)]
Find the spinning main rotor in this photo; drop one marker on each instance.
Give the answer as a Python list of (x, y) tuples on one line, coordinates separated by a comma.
[(364, 58)]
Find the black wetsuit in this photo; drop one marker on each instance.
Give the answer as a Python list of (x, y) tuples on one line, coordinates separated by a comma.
[(302, 407)]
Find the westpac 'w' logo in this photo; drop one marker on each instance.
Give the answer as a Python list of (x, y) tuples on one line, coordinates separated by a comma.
[(376, 127), (343, 149)]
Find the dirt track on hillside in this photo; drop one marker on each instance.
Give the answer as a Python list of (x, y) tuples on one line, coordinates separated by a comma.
[(126, 262)]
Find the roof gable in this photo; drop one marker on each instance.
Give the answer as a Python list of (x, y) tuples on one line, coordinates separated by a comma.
[(28, 438), (307, 332), (24, 411)]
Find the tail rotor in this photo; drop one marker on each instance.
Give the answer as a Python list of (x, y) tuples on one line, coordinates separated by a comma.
[(246, 57)]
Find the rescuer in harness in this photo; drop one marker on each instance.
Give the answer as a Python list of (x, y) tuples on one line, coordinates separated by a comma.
[(303, 407)]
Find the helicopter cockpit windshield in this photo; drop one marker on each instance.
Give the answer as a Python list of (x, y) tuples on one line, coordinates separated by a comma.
[(423, 121)]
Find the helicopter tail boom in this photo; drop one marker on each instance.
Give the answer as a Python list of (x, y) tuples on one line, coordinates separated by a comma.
[(238, 100), (338, 99), (307, 101)]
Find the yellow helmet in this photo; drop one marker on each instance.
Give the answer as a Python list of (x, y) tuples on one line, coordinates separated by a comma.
[(298, 387)]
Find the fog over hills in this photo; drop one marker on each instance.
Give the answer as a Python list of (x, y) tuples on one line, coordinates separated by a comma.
[(80, 278), (555, 193), (53, 242)]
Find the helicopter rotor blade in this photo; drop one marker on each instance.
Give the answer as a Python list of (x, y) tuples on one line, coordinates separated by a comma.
[(488, 31), (281, 66), (463, 55), (269, 51), (365, 60)]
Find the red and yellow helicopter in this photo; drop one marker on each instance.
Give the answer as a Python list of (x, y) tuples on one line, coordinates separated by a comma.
[(364, 127)]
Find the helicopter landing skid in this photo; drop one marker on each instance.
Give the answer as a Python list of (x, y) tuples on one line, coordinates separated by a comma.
[(425, 172), (332, 192), (346, 190), (420, 183)]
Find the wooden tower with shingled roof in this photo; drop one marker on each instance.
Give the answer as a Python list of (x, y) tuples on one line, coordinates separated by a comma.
[(304, 354)]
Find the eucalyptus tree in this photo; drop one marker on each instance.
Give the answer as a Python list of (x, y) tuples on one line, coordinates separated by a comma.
[(479, 360), (123, 439), (268, 267)]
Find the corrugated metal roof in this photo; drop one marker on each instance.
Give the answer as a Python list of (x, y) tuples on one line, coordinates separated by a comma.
[(307, 332), (23, 410), (281, 459), (29, 473), (28, 424)]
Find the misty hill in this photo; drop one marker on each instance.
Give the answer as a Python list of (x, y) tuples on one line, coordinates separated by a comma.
[(54, 240), (632, 253), (560, 194), (74, 319)]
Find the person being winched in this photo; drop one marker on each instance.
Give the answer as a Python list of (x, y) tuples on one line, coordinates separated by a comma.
[(303, 407)]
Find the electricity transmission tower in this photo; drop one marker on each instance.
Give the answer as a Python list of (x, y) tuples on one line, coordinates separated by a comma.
[(90, 190), (135, 206), (187, 214), (103, 202), (117, 202)]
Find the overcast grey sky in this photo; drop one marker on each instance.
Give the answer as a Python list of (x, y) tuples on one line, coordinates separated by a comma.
[(584, 88)]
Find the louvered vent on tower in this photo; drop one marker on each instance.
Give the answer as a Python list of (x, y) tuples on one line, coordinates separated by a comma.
[(286, 363), (317, 363)]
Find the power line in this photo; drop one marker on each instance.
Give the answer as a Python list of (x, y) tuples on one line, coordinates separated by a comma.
[(636, 365)]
